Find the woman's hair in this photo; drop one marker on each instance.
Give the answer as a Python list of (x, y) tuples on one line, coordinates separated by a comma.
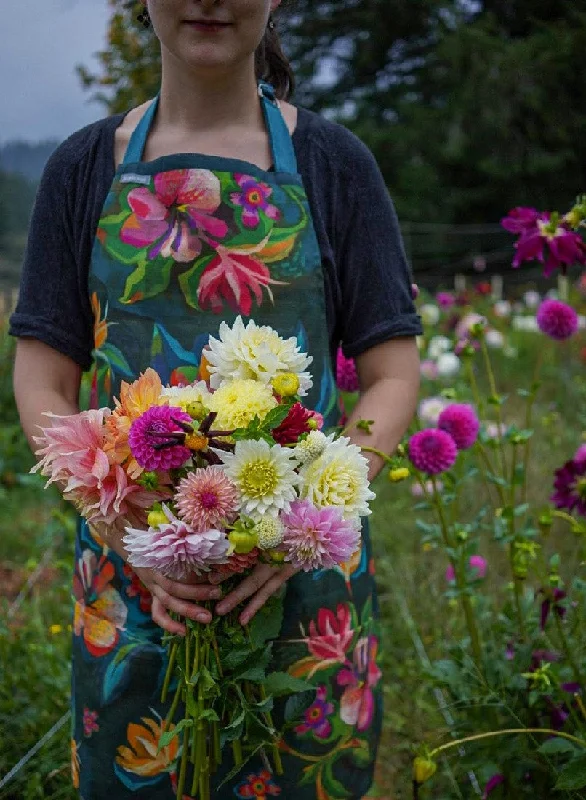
[(273, 66)]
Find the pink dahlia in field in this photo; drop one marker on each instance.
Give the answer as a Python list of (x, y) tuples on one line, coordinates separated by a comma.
[(318, 538), (478, 567), (557, 319), (580, 455), (544, 237), (147, 434), (570, 487), (461, 422), (432, 451), (445, 300), (467, 323), (521, 220), (206, 499), (173, 549), (346, 375)]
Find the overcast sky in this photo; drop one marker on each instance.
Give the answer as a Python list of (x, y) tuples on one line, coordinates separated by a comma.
[(41, 41)]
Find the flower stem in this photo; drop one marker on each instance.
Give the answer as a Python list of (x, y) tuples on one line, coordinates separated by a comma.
[(567, 649), (387, 459), (173, 709), (499, 413), (464, 598), (183, 767), (517, 583), (507, 731), (171, 664), (269, 718)]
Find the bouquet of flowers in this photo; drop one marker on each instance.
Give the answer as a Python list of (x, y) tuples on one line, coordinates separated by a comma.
[(218, 476)]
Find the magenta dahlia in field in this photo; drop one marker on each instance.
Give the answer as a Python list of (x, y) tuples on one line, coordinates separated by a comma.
[(346, 375), (543, 237), (147, 434), (173, 549), (461, 422), (432, 451), (557, 319), (570, 487), (206, 499), (317, 538), (477, 565)]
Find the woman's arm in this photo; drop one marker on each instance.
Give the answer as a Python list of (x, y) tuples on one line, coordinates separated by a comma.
[(46, 380), (389, 386)]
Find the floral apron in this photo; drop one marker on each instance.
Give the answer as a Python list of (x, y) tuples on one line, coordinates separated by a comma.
[(185, 242)]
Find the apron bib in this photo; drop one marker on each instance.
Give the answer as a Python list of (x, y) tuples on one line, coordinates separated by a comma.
[(185, 242)]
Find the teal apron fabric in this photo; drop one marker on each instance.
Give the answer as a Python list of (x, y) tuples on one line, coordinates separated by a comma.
[(185, 242)]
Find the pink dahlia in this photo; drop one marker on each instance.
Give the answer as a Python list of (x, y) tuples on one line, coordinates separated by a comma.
[(428, 369), (147, 434), (557, 319), (478, 567), (318, 538), (445, 300), (580, 455), (206, 498), (543, 236), (173, 549), (346, 375), (461, 422), (295, 423), (521, 220), (570, 487), (432, 451)]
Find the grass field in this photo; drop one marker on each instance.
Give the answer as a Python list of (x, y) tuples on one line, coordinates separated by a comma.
[(36, 544)]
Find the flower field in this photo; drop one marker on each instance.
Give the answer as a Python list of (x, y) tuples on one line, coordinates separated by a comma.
[(481, 579)]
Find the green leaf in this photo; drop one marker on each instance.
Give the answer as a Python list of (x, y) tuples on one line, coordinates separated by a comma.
[(297, 704), (254, 668), (266, 625), (278, 684), (209, 714), (573, 775), (167, 737), (236, 657), (555, 746), (116, 359), (149, 279), (275, 416)]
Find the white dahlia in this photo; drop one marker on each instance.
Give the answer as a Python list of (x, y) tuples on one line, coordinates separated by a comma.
[(312, 446), (255, 352), (338, 477), (265, 476), (184, 396)]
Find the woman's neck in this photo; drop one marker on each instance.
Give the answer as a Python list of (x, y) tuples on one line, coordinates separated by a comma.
[(197, 103)]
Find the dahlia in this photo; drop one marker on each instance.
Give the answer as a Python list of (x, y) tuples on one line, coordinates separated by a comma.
[(238, 563), (184, 396), (430, 408), (255, 352), (148, 432), (461, 422), (437, 346), (265, 476), (346, 375), (206, 498), (318, 538), (557, 319), (580, 454), (338, 477), (432, 451), (448, 365), (445, 300), (430, 314), (312, 446), (239, 401), (570, 487), (173, 549), (429, 370), (269, 531), (293, 426), (478, 567), (139, 396)]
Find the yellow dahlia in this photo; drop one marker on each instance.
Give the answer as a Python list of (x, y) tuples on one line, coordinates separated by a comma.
[(238, 402)]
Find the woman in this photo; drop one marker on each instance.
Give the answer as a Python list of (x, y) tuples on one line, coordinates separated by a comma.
[(149, 229)]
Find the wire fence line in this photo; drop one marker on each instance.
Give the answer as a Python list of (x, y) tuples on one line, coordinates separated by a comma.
[(34, 750)]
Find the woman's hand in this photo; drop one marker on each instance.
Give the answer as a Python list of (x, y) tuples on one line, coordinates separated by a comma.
[(263, 582), (180, 597)]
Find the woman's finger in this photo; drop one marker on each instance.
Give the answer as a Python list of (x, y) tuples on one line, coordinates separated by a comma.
[(163, 619), (249, 586), (265, 593), (182, 606), (199, 592)]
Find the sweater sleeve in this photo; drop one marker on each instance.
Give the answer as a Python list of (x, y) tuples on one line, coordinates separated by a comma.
[(53, 305), (373, 273)]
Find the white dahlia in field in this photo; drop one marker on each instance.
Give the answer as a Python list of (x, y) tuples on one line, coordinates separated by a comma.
[(338, 477), (264, 475), (255, 352), (184, 396)]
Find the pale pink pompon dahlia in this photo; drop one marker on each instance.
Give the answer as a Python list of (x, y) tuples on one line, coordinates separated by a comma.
[(318, 538), (461, 422), (432, 451), (206, 499), (173, 549)]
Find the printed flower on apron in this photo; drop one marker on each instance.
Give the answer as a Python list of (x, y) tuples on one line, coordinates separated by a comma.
[(260, 786), (142, 757), (75, 764), (100, 612), (357, 703), (253, 199), (316, 716)]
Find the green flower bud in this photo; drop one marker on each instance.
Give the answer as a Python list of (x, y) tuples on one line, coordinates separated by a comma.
[(423, 769)]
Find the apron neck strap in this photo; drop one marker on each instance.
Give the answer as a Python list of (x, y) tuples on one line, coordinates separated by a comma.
[(284, 159)]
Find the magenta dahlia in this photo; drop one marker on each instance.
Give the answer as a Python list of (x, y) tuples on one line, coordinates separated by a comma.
[(206, 498), (147, 435), (570, 487), (318, 538), (477, 565), (432, 451), (173, 549), (461, 422), (346, 375), (295, 423), (557, 319)]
